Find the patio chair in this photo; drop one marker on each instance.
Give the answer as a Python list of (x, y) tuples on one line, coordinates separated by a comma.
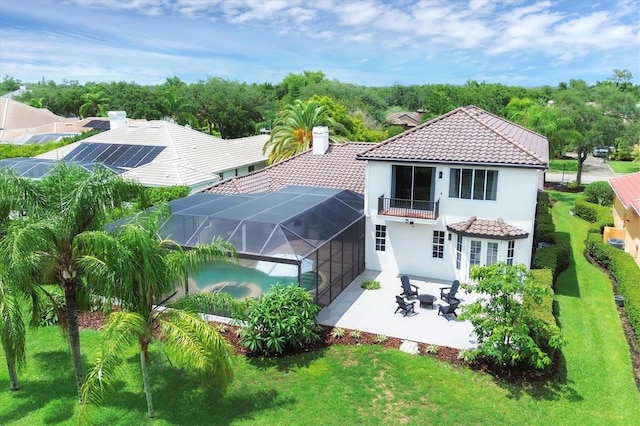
[(445, 310), (407, 287), (404, 306), (450, 295)]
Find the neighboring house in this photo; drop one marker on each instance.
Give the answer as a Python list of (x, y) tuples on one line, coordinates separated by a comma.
[(23, 124), (457, 191), (160, 153), (406, 119), (626, 211)]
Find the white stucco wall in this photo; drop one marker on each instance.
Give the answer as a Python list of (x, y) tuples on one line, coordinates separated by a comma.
[(409, 247)]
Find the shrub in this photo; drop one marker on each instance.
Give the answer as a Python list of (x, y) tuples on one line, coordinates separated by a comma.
[(370, 284), (626, 273), (381, 338), (508, 334), (599, 193), (431, 349), (544, 327), (337, 333), (281, 319), (356, 334), (544, 227), (598, 215), (555, 257), (52, 307)]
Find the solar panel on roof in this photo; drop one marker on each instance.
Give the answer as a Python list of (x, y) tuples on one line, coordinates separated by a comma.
[(117, 155)]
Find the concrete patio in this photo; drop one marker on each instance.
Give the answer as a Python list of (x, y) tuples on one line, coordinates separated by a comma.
[(372, 311)]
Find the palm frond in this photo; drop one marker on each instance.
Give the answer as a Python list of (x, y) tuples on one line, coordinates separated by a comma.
[(198, 347), (12, 330), (121, 332)]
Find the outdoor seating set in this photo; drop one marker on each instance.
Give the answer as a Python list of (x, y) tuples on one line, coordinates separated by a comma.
[(448, 294)]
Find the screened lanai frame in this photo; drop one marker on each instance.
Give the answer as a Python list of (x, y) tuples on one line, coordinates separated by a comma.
[(319, 230)]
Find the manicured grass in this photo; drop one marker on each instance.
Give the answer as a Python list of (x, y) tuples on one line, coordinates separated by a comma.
[(360, 384), (624, 166), (555, 166)]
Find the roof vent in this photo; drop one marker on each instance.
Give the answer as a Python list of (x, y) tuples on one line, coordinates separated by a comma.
[(320, 140)]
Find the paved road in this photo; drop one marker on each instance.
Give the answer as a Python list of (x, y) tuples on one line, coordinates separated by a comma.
[(593, 169)]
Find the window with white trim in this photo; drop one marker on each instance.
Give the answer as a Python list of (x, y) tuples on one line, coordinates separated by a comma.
[(477, 184), (475, 253), (381, 237), (492, 253), (511, 248), (438, 244)]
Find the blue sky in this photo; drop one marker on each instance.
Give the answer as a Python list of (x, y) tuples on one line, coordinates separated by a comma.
[(365, 42)]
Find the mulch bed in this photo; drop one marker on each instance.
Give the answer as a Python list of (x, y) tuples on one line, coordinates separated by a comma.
[(95, 320)]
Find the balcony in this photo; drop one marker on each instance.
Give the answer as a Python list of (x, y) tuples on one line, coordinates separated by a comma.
[(414, 209)]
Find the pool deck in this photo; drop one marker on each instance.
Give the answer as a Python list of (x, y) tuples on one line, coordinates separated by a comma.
[(372, 311)]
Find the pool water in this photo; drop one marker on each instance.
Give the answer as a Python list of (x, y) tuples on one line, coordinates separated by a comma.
[(242, 281)]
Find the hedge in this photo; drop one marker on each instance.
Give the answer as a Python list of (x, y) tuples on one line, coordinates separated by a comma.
[(542, 311), (544, 228), (625, 271), (598, 215), (555, 257)]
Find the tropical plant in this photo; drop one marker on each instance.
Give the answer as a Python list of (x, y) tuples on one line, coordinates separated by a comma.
[(95, 103), (506, 332), (292, 132), (281, 319), (16, 195), (44, 246), (338, 332), (370, 284), (142, 270), (12, 323), (178, 109), (214, 303)]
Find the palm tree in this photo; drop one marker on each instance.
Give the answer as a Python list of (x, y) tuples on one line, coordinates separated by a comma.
[(95, 102), (178, 109), (44, 246), (142, 270), (17, 195), (292, 132), (12, 324)]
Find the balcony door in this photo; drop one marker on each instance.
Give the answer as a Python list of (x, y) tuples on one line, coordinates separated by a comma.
[(413, 187)]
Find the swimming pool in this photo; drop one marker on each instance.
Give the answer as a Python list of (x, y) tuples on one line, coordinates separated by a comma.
[(242, 281)]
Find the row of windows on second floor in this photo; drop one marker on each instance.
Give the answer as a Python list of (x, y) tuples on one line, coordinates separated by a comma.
[(417, 191)]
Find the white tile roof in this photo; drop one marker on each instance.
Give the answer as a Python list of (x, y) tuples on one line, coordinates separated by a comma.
[(191, 157)]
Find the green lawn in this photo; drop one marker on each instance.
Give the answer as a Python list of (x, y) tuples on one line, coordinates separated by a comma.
[(624, 166), (361, 384), (556, 166)]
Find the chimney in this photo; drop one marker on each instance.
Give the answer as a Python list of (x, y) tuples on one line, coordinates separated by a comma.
[(117, 119), (320, 140)]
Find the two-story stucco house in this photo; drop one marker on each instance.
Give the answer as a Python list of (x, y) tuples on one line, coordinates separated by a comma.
[(457, 191)]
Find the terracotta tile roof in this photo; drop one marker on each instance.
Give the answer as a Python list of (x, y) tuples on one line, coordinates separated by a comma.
[(487, 228), (465, 135), (627, 189), (337, 168)]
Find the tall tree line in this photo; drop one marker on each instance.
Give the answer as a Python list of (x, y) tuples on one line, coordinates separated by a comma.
[(232, 109)]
